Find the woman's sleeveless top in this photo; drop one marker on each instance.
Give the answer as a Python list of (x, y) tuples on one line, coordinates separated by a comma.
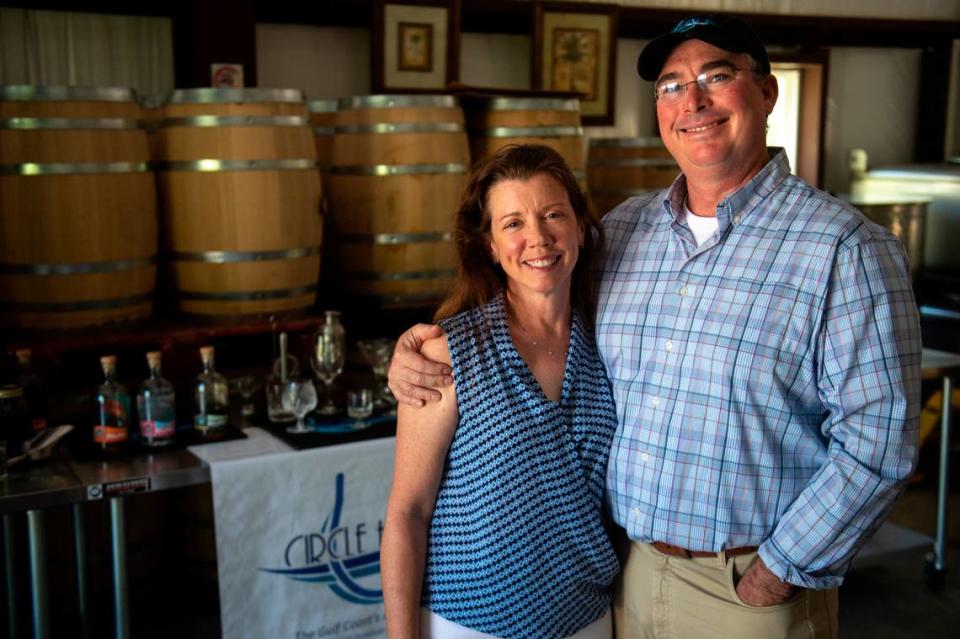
[(518, 545)]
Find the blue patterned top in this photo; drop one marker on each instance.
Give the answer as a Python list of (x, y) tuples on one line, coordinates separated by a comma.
[(518, 546)]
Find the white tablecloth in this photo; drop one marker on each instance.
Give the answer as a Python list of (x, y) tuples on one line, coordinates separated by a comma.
[(298, 537)]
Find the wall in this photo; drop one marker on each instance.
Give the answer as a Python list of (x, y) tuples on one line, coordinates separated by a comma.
[(900, 9), (635, 113), (483, 55), (871, 104), (323, 62)]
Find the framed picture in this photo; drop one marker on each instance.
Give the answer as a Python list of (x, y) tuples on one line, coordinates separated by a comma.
[(416, 45), (575, 49)]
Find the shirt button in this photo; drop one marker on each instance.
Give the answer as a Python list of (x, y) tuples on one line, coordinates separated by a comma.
[(668, 345), (683, 290), (644, 457), (636, 511), (655, 401), (736, 219)]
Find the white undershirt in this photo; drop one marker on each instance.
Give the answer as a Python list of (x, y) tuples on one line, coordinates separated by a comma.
[(702, 227)]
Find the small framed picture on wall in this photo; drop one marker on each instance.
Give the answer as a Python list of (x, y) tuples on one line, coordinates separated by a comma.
[(575, 49), (416, 45)]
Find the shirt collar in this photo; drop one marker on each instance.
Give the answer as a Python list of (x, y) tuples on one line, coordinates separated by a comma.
[(735, 204)]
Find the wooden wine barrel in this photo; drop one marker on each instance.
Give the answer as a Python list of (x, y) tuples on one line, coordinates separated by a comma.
[(619, 168), (322, 116), (240, 193), (151, 109), (551, 122), (399, 166), (78, 219)]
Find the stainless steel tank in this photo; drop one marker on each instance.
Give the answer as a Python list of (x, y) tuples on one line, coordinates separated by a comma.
[(940, 183), (906, 218)]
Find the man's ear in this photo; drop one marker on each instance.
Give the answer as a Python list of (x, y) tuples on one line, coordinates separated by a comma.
[(771, 91)]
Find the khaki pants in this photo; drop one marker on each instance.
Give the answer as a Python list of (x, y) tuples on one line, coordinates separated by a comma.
[(664, 597)]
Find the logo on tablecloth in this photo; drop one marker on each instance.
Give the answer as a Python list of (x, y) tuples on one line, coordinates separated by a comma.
[(341, 556)]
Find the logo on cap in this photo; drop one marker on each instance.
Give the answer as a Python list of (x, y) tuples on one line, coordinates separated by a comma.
[(695, 21)]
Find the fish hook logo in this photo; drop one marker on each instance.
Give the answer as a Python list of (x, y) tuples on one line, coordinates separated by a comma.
[(335, 557)]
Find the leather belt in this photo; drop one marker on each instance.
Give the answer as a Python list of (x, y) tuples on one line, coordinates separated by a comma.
[(677, 551)]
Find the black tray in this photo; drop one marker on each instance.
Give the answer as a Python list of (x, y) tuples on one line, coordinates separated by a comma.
[(338, 429)]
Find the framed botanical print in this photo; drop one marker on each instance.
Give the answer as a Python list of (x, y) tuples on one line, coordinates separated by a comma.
[(575, 49), (416, 45)]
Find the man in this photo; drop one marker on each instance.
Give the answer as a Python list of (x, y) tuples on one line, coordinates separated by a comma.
[(763, 346)]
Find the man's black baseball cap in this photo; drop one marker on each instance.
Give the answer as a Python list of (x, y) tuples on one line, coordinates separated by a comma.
[(726, 32)]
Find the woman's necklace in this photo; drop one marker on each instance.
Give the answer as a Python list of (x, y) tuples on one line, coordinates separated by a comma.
[(539, 344)]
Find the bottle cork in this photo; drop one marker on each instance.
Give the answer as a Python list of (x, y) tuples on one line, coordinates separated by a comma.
[(108, 363)]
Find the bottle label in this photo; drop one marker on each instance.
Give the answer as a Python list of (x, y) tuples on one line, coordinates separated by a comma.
[(157, 429), (115, 408), (109, 434), (206, 422)]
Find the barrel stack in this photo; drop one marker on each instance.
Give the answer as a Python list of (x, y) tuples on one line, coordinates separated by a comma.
[(620, 168), (78, 218), (240, 201), (399, 164)]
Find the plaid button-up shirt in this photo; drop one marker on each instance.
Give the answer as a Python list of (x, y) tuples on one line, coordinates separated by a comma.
[(766, 382)]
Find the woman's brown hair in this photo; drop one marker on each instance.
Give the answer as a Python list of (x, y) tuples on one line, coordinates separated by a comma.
[(479, 279)]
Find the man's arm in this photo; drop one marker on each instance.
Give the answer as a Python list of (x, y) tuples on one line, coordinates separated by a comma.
[(869, 383), (412, 377)]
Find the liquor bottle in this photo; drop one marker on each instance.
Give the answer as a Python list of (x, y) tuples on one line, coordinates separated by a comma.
[(111, 429), (155, 406), (33, 391), (210, 396)]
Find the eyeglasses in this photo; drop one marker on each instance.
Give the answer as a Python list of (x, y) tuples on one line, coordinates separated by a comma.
[(672, 91)]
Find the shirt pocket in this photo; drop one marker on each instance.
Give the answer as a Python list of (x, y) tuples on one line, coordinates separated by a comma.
[(771, 331)]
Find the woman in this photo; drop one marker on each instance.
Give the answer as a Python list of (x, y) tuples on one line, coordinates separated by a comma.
[(495, 523)]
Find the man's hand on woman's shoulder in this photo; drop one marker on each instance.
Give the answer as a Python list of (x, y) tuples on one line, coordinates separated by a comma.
[(412, 377)]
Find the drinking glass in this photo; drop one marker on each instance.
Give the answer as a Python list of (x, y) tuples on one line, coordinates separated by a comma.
[(299, 397), (246, 386), (276, 412), (359, 405), (378, 352), (327, 355)]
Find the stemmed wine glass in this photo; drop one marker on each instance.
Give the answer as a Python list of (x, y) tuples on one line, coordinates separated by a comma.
[(327, 355), (378, 352), (299, 397)]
